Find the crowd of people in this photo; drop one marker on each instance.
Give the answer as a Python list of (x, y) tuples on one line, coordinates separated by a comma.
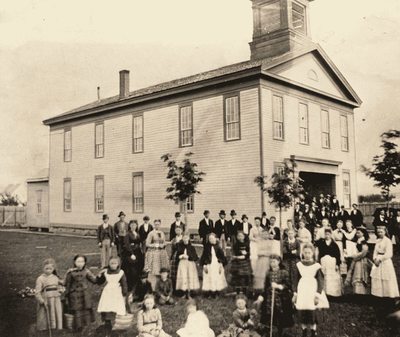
[(295, 268)]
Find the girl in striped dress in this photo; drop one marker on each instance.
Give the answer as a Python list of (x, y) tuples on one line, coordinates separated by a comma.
[(174, 245)]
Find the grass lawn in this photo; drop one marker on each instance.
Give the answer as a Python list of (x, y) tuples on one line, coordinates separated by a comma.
[(20, 265)]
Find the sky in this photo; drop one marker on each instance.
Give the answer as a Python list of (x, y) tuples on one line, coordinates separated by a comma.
[(54, 54)]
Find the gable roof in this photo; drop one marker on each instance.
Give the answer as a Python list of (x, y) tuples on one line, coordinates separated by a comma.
[(260, 67)]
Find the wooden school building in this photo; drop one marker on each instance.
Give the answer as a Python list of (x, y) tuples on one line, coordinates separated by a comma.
[(240, 121)]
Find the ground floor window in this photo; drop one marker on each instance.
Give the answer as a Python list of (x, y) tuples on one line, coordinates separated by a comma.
[(99, 193), (67, 195), (138, 192), (188, 205), (346, 189), (39, 201)]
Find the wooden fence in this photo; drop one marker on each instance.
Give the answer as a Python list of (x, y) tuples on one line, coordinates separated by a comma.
[(13, 216), (368, 209)]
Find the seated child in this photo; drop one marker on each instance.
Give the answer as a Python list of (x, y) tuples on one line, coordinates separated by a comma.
[(244, 323), (164, 288), (143, 288), (149, 321), (197, 324)]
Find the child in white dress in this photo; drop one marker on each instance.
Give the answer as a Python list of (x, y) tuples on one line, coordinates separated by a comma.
[(197, 324)]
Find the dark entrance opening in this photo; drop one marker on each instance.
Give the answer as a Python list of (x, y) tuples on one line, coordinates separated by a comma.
[(316, 183)]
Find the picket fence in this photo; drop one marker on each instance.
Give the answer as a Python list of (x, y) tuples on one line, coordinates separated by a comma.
[(12, 216)]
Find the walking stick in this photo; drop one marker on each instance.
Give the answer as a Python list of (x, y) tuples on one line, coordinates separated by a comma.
[(272, 311), (48, 319)]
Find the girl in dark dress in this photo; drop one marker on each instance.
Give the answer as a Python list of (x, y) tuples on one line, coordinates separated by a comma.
[(240, 266), (173, 261), (291, 254), (278, 280), (77, 292)]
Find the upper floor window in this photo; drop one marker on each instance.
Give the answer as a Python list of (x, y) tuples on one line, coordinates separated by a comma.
[(277, 111), (39, 194), (137, 134), (325, 129), (186, 126), (99, 140), (99, 194), (67, 145), (67, 195), (303, 123), (138, 192), (232, 118), (344, 133), (299, 17)]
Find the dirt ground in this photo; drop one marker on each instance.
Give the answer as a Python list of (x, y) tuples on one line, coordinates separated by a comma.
[(21, 257)]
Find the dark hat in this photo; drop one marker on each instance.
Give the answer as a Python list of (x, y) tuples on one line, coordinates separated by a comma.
[(177, 214), (222, 212), (264, 213), (105, 216), (164, 270), (121, 214), (144, 274), (146, 217), (233, 212), (206, 212), (244, 216)]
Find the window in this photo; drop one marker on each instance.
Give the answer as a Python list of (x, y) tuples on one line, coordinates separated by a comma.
[(325, 129), (303, 123), (299, 17), (99, 194), (188, 205), (138, 134), (138, 197), (67, 145), (67, 195), (99, 140), (270, 17), (346, 189), (39, 201), (279, 168), (344, 132), (186, 126), (232, 118), (277, 110)]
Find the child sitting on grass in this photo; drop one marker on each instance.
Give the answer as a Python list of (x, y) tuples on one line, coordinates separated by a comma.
[(112, 300), (149, 321), (164, 288), (143, 288)]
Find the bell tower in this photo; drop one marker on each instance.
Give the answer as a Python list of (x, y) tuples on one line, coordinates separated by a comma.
[(279, 26)]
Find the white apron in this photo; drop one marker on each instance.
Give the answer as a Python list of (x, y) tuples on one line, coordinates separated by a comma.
[(111, 299)]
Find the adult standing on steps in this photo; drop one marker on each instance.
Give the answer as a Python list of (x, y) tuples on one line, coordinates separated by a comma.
[(120, 230)]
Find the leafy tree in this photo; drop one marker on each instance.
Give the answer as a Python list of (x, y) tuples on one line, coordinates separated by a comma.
[(184, 180), (284, 188), (7, 199), (385, 169)]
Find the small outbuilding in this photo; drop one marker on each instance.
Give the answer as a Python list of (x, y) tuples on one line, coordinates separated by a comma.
[(37, 210)]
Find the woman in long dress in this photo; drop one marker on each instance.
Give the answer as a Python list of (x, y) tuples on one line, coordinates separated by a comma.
[(264, 250), (383, 276), (350, 234), (254, 237), (340, 239)]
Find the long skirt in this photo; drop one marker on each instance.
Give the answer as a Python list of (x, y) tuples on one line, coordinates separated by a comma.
[(283, 309), (358, 276), (260, 273), (54, 310), (214, 279), (173, 270), (253, 254), (111, 300), (148, 334), (155, 260), (384, 281), (333, 281), (343, 265), (290, 266), (241, 272), (187, 277)]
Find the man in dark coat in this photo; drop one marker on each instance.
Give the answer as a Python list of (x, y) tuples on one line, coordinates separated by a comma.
[(381, 220), (206, 226), (221, 229), (265, 223), (176, 223), (232, 225), (343, 214), (120, 230), (356, 216)]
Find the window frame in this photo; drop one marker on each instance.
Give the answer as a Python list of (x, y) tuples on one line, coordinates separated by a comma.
[(185, 204), (304, 31), (346, 172), (307, 128), (66, 160), (133, 133), (96, 156), (239, 122), (98, 177), (280, 96), (346, 136), (183, 106), (137, 174), (69, 180), (39, 201), (328, 133), (278, 166)]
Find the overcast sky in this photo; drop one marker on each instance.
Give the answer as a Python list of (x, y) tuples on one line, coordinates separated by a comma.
[(54, 53)]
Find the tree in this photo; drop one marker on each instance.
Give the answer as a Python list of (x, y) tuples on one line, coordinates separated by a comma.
[(7, 199), (184, 180), (385, 169), (285, 187)]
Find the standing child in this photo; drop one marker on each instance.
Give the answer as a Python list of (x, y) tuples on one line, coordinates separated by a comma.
[(187, 277), (197, 324), (277, 281), (309, 295), (213, 261), (105, 238), (173, 260), (112, 300), (78, 294), (48, 297), (291, 254), (149, 321), (164, 288), (240, 267), (244, 324)]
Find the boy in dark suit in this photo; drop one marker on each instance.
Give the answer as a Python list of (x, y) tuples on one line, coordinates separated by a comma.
[(356, 216), (206, 226), (220, 229), (176, 223), (232, 225)]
